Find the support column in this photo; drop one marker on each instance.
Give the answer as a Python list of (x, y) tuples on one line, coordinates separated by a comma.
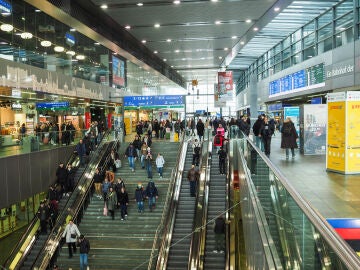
[(253, 96)]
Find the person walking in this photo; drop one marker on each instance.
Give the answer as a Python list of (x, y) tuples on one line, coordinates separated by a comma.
[(111, 201), (200, 128), (193, 177), (151, 194), (289, 137), (81, 151), (222, 158), (131, 155), (256, 130), (84, 246), (148, 162), (43, 214), (70, 233), (266, 131), (196, 152), (219, 231), (123, 201), (139, 197), (160, 164)]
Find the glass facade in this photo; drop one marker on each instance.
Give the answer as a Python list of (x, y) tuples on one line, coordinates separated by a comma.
[(334, 28)]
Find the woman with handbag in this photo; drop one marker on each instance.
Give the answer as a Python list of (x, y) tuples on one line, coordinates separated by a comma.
[(70, 233)]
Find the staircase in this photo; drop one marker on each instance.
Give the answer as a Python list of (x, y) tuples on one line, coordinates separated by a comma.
[(41, 238), (180, 242), (117, 244), (216, 206)]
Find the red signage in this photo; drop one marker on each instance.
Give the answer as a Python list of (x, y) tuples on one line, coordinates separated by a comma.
[(87, 120)]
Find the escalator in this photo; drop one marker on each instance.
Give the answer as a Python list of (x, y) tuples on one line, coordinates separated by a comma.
[(125, 244), (181, 235), (216, 206), (32, 243)]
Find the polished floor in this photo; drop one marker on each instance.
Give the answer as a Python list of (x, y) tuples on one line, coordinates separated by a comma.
[(333, 195)]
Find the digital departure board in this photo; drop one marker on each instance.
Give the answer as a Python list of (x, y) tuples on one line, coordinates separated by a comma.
[(316, 74), (299, 79), (153, 101)]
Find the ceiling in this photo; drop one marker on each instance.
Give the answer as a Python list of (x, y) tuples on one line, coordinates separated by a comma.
[(197, 38)]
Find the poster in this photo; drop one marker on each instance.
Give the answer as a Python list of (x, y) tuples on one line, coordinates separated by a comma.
[(353, 132), (218, 102), (335, 158), (314, 133), (225, 86), (118, 72), (294, 114)]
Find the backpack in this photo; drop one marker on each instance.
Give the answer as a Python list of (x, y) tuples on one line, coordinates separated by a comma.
[(151, 189), (287, 130), (197, 149), (217, 140)]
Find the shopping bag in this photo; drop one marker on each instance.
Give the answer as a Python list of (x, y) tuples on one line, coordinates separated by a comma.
[(105, 212), (118, 163)]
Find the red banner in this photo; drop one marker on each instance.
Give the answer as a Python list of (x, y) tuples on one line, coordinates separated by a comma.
[(87, 120), (225, 80)]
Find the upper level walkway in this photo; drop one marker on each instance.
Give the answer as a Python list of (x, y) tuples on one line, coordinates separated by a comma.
[(333, 195)]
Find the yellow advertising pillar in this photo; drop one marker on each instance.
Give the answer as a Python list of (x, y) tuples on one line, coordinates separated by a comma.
[(343, 136)]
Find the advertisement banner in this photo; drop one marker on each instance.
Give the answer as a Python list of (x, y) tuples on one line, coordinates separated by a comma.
[(353, 132), (314, 135), (294, 114), (218, 102), (118, 72), (87, 120), (335, 159), (225, 86)]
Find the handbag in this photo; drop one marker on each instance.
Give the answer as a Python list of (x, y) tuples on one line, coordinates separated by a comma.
[(105, 212), (118, 163), (73, 235)]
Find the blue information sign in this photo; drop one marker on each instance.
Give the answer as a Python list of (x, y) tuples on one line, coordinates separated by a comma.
[(299, 79), (52, 105), (286, 83), (143, 101)]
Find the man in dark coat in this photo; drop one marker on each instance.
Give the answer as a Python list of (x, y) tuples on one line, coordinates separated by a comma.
[(81, 151), (61, 175), (267, 130), (256, 130), (289, 137), (219, 230), (222, 158), (200, 127), (193, 177), (84, 246)]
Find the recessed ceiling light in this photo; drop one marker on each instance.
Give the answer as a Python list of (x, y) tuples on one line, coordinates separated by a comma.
[(59, 49), (127, 26), (256, 29), (155, 52), (214, 0), (217, 22), (220, 57), (276, 9), (165, 59), (26, 35), (72, 29), (37, 10), (72, 53), (168, 40), (143, 41), (104, 6), (80, 57), (45, 43), (96, 43), (6, 27), (242, 42), (156, 25), (171, 66), (225, 49), (177, 51), (176, 2), (248, 21), (140, 4), (234, 37)]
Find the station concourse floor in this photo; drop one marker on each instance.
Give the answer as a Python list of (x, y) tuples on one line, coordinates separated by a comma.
[(333, 195)]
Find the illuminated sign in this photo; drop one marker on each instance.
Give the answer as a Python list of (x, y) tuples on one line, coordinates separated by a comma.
[(52, 105), (5, 7), (153, 101), (70, 39)]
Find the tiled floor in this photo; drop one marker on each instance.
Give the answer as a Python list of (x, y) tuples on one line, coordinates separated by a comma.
[(333, 195)]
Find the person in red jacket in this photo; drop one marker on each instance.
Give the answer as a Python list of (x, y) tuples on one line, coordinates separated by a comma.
[(218, 140)]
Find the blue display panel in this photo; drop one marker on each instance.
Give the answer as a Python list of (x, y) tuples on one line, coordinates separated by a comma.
[(52, 105), (274, 87), (286, 83), (299, 79), (139, 101)]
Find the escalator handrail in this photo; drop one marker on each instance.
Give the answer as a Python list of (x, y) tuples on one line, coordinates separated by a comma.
[(24, 238), (198, 239), (170, 218), (347, 255), (77, 205)]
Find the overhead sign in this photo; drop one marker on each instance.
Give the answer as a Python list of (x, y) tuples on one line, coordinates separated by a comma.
[(70, 39), (52, 105), (154, 101), (225, 86), (5, 7)]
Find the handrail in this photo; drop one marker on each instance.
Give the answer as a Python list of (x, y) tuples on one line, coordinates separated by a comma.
[(81, 193), (26, 241), (347, 255), (23, 256), (170, 220), (198, 240)]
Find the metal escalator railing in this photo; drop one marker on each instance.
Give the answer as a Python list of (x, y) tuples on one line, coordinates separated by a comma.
[(26, 247), (28, 238), (169, 220), (319, 246), (75, 210)]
